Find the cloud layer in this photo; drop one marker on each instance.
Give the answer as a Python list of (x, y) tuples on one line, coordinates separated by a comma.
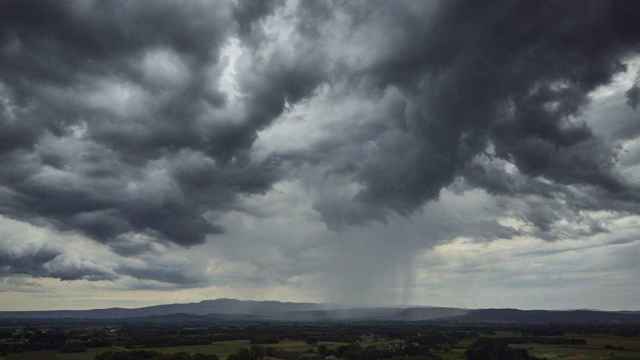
[(274, 143)]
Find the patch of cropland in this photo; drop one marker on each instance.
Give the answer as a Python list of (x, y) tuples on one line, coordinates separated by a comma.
[(378, 340)]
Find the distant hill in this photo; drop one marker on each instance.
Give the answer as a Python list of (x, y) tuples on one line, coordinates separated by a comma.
[(515, 316), (207, 307), (247, 310)]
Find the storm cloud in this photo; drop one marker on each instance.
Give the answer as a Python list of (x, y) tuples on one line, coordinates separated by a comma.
[(162, 130), (116, 124), (510, 78)]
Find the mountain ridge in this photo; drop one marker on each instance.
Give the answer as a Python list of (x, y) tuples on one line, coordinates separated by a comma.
[(228, 309)]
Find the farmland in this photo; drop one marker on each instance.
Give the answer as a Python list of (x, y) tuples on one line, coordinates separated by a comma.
[(394, 341)]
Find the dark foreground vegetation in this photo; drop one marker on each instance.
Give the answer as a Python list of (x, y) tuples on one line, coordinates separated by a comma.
[(316, 341)]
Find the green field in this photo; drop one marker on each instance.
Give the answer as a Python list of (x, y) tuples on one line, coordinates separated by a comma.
[(553, 352), (456, 352), (596, 348), (221, 348), (625, 348)]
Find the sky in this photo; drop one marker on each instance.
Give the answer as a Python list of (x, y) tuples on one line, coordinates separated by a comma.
[(447, 153)]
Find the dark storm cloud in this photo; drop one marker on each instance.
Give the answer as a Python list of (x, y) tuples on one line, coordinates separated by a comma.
[(29, 263), (118, 122), (511, 76), (247, 13), (633, 96), (113, 121), (47, 262)]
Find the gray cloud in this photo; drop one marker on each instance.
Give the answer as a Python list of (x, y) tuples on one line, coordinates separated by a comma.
[(464, 86), (633, 96), (113, 118), (131, 124), (48, 262), (472, 84), (27, 263)]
